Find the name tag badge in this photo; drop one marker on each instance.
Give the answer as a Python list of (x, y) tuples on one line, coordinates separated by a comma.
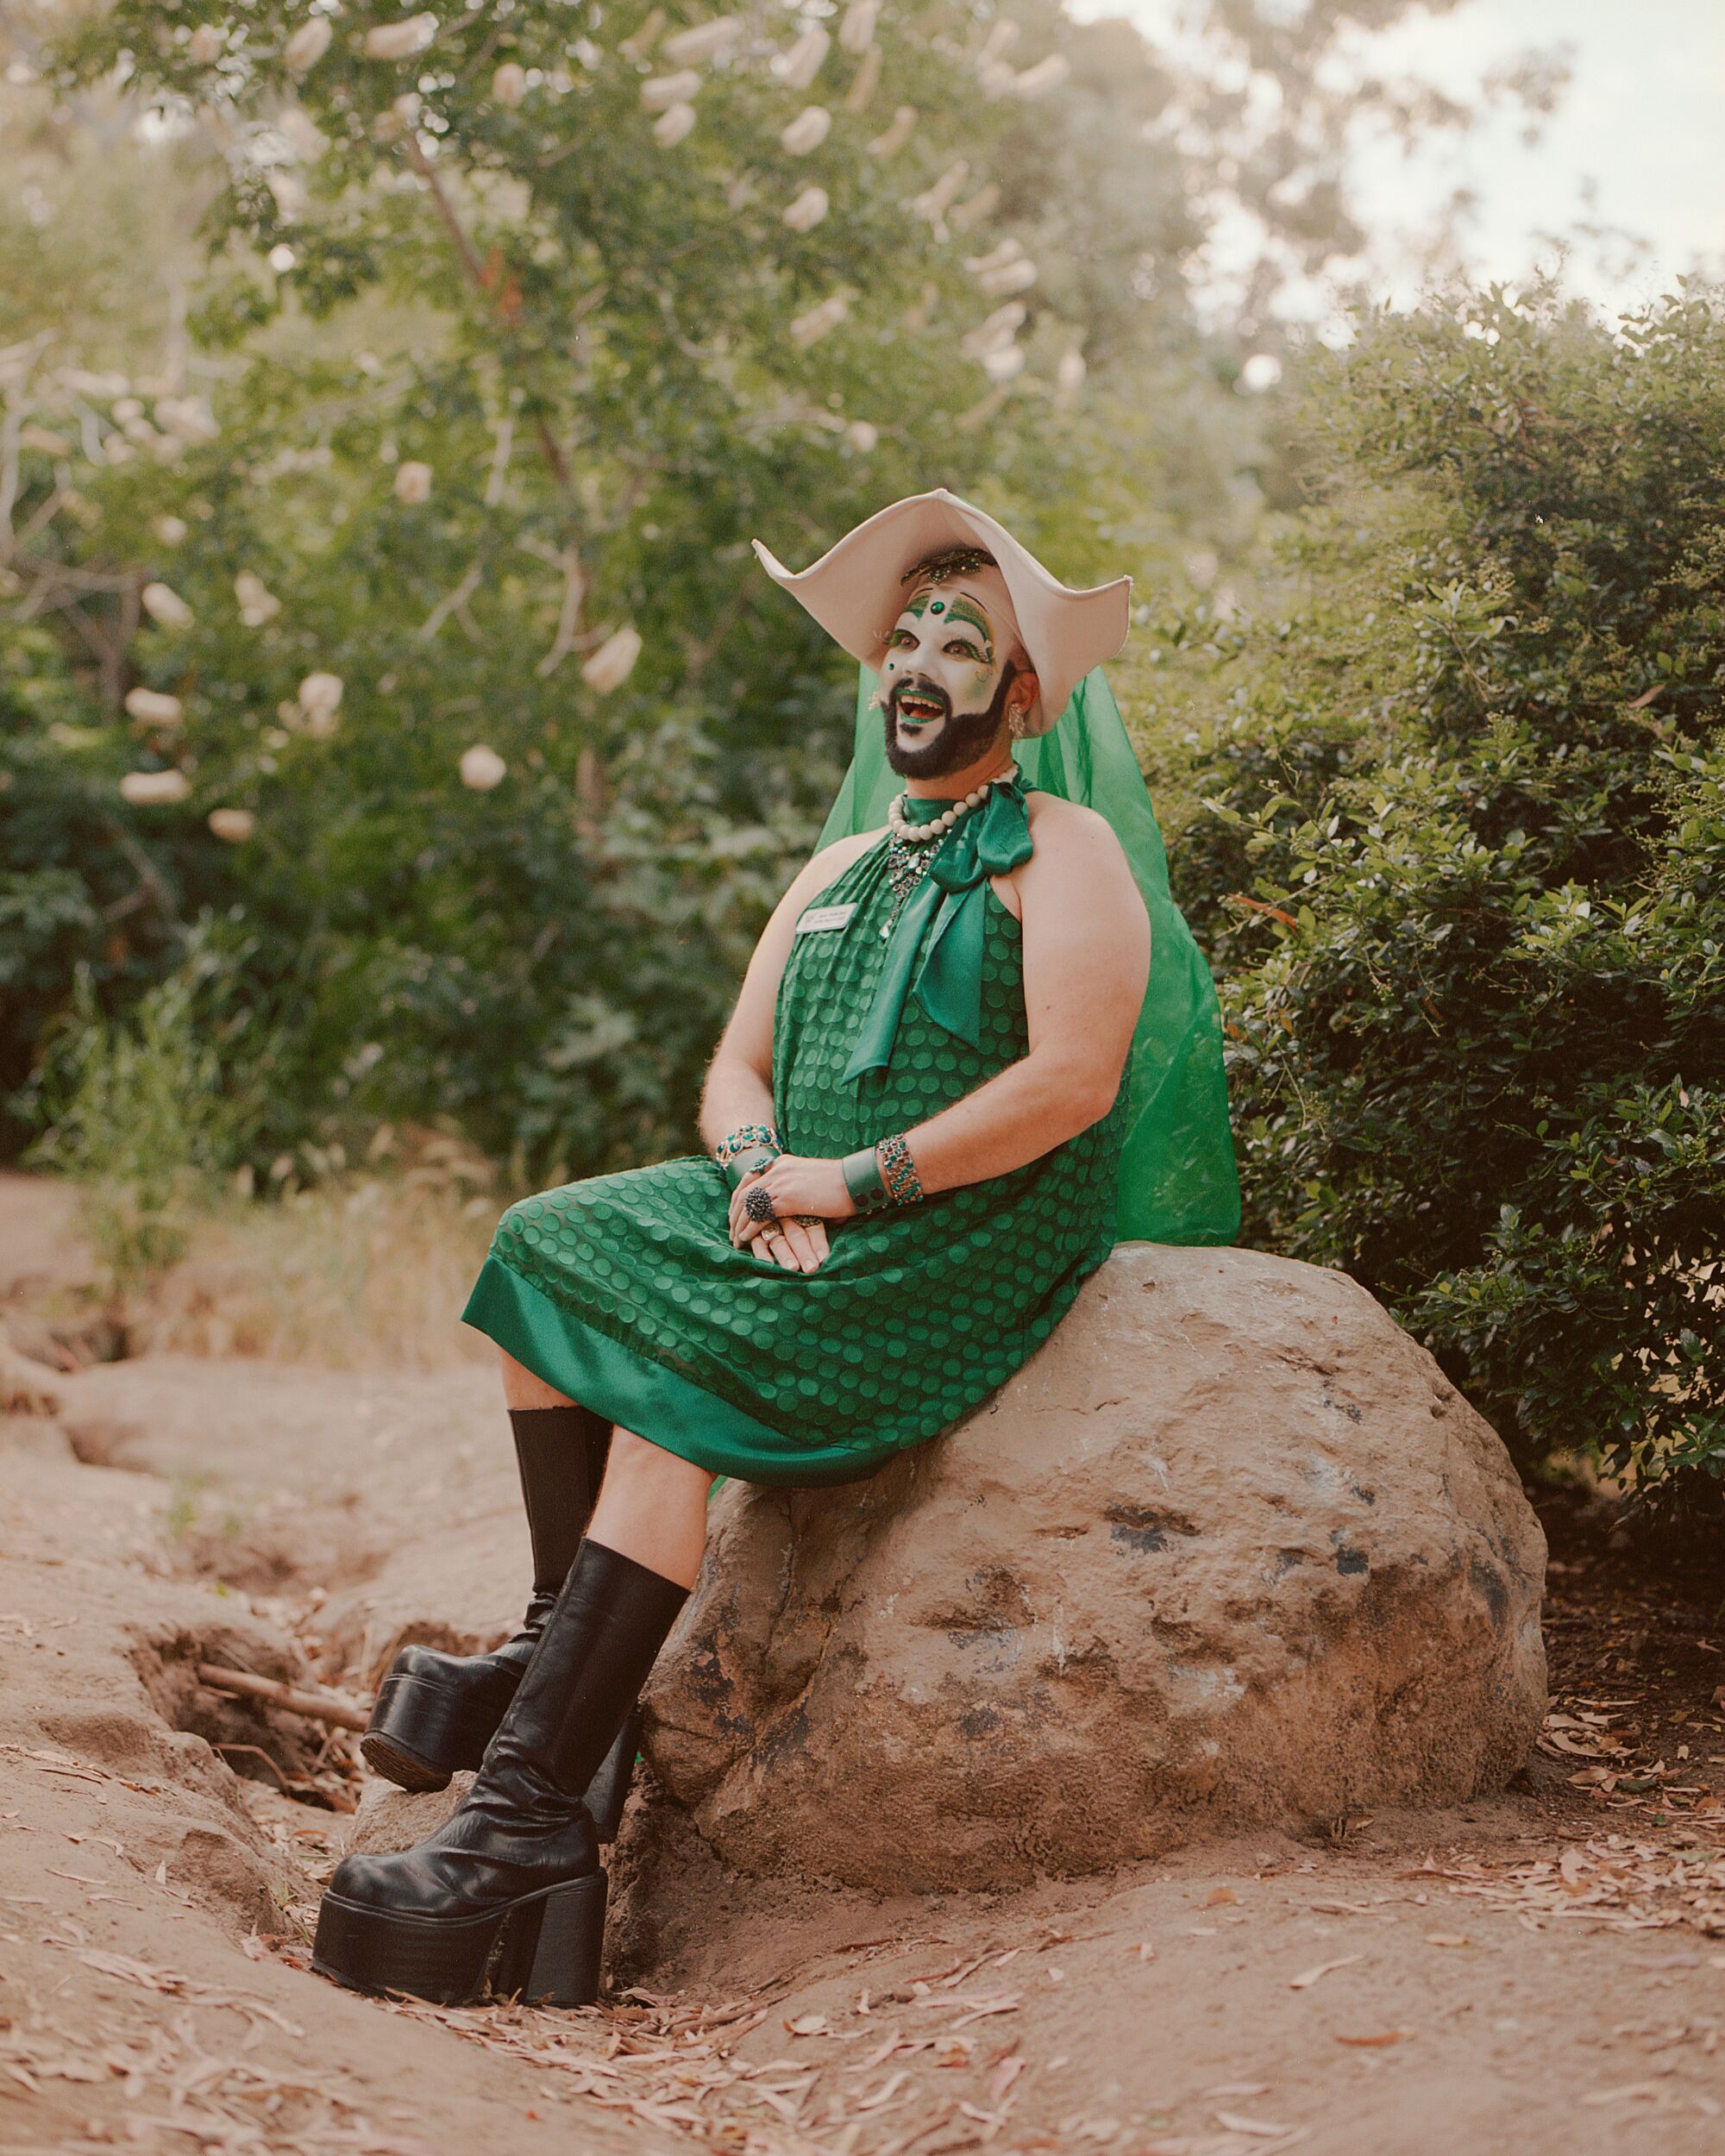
[(820, 917)]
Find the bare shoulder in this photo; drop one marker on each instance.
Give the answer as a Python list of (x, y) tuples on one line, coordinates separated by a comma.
[(1072, 846), (1069, 829)]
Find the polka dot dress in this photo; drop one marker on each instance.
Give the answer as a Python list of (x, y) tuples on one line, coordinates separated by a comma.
[(920, 1312)]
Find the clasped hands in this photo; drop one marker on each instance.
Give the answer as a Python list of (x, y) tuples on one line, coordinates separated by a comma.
[(798, 1185)]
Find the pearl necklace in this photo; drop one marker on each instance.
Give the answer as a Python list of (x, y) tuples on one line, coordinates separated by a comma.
[(910, 847), (909, 834)]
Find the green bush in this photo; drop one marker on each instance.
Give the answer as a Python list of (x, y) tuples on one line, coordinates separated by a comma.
[(150, 1110), (1461, 857)]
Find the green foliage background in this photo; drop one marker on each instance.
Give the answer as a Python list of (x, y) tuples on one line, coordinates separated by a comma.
[(1455, 839), (1441, 768), (588, 340)]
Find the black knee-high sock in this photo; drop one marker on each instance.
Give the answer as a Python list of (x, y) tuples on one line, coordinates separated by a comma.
[(560, 1452)]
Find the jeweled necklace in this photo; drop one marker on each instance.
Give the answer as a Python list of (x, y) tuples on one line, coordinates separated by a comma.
[(911, 847)]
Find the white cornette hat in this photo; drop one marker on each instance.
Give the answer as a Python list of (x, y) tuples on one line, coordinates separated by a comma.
[(854, 592)]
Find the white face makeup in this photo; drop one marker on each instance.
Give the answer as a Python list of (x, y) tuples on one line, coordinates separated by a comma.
[(945, 655)]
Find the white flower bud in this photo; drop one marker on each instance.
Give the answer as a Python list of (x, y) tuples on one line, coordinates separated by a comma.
[(807, 132), (637, 46), (864, 82), (896, 136), (154, 707), (258, 604), (1009, 277), (509, 84), (232, 825), (206, 46), (856, 31), (997, 332), (672, 125), (171, 530), (806, 59), (1047, 74), (190, 418), (1069, 372), (482, 768), (291, 199), (307, 45), (820, 321), (1005, 364), (807, 210), (164, 604), (320, 698), (155, 789), (401, 40), (661, 92), (611, 665), (307, 139), (705, 41), (862, 437), (412, 482), (932, 204)]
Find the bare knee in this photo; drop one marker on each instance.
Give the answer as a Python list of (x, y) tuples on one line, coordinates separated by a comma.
[(635, 1465), (521, 1388)]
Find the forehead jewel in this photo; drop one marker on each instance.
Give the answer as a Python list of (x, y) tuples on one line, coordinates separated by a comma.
[(950, 562)]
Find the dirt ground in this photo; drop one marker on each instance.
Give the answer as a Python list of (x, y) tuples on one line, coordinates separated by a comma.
[(1542, 1972)]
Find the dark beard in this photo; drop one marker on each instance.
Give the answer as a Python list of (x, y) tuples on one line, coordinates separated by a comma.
[(961, 740)]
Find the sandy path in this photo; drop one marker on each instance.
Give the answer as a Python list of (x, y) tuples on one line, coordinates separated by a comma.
[(1542, 1972)]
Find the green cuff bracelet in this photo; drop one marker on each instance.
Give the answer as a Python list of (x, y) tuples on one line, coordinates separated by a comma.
[(743, 1165), (863, 1180)]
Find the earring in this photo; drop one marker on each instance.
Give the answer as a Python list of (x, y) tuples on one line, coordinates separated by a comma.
[(1018, 721)]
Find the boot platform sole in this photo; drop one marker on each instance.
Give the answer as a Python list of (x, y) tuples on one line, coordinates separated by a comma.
[(544, 1948), (389, 1757), (422, 1732)]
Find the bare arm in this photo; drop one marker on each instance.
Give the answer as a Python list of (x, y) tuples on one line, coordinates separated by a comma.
[(1086, 965)]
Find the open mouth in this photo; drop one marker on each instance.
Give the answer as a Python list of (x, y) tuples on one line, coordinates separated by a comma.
[(917, 707)]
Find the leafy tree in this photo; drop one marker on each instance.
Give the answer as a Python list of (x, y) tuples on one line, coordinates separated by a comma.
[(1461, 851), (390, 548), (423, 575)]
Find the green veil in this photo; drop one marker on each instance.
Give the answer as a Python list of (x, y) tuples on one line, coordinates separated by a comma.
[(1178, 1182)]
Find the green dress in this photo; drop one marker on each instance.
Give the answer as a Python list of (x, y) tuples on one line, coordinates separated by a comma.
[(625, 1292)]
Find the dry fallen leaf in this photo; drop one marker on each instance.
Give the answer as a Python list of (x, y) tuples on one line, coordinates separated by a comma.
[(1217, 1895), (1309, 1976), (1389, 2036)]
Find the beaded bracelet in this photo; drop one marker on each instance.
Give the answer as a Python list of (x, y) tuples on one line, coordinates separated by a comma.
[(897, 1170), (746, 1134)]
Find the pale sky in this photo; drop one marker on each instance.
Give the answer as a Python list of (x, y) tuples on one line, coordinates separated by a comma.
[(1643, 120)]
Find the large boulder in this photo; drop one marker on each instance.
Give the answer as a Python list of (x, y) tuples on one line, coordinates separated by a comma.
[(1229, 1552)]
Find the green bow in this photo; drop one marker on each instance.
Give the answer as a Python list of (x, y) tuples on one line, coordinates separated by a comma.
[(990, 841)]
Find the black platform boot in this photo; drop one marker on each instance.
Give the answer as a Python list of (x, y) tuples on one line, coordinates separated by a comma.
[(436, 1713), (507, 1897)]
